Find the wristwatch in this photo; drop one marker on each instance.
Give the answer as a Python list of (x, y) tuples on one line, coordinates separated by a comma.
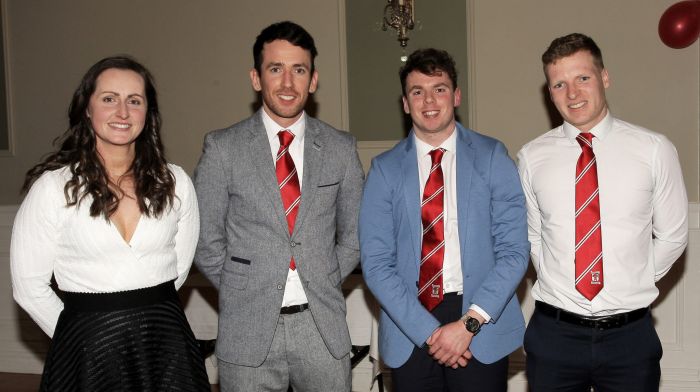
[(473, 325)]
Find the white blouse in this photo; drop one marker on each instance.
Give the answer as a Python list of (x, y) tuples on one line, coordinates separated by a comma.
[(88, 254)]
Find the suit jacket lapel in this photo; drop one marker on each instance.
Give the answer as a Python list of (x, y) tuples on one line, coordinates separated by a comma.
[(411, 189), (313, 164), (265, 167), (465, 170)]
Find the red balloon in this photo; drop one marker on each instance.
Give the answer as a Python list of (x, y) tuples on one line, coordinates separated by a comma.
[(679, 26)]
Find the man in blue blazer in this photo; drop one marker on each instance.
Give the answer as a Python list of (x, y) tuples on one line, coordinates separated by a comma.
[(476, 236)]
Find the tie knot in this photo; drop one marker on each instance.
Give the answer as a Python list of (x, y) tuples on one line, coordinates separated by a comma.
[(286, 137), (436, 155), (585, 139)]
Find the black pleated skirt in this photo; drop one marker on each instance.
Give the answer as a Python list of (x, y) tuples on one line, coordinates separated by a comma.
[(136, 340)]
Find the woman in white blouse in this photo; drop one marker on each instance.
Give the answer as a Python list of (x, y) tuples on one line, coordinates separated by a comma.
[(116, 225)]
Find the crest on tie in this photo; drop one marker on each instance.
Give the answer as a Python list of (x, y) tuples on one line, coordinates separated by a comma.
[(436, 291), (595, 277)]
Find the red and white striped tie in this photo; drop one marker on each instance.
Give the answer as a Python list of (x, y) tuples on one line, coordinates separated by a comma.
[(288, 182), (589, 248), (430, 285)]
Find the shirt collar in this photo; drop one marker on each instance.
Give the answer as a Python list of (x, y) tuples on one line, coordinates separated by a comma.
[(272, 128), (600, 130), (423, 148)]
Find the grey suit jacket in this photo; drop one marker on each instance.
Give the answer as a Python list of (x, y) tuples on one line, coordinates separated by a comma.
[(244, 244)]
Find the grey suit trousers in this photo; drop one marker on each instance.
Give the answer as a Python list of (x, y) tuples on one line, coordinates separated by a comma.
[(298, 357)]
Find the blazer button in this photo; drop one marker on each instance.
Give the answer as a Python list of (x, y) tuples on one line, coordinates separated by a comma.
[(279, 286), (292, 244)]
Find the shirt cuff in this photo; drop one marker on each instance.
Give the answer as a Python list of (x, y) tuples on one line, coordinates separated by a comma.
[(481, 312)]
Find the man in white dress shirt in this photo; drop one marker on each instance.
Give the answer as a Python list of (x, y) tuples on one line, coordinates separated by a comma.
[(607, 217)]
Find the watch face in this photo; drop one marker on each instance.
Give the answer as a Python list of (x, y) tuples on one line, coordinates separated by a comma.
[(472, 324)]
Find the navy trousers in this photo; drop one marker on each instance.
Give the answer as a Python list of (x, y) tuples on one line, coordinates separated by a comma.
[(422, 373), (567, 357)]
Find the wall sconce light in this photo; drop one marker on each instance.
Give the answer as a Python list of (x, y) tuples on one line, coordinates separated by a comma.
[(398, 14)]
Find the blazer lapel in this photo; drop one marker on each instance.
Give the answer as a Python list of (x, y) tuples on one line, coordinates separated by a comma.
[(313, 164), (411, 189), (265, 167), (465, 170)]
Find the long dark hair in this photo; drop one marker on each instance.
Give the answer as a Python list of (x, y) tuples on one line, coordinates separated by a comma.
[(154, 183)]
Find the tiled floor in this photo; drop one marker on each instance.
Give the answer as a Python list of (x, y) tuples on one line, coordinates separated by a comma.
[(16, 382)]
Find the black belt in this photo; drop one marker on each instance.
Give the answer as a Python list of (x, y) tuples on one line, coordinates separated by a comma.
[(601, 323), (120, 300), (293, 309)]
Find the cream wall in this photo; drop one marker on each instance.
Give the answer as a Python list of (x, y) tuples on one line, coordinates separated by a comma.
[(652, 85), (200, 55), (199, 51)]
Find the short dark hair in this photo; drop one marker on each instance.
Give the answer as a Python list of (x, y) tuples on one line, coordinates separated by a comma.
[(287, 31), (429, 61), (570, 44)]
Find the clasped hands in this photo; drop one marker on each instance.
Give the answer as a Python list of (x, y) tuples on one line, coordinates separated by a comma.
[(449, 345)]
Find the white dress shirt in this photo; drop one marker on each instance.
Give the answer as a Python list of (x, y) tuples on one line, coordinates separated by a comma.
[(452, 260), (88, 254), (643, 209), (293, 291)]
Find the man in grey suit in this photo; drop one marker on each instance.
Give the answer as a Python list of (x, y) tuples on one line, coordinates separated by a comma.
[(279, 196)]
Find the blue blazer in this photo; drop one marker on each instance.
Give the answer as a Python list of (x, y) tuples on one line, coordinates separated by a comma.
[(493, 244)]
